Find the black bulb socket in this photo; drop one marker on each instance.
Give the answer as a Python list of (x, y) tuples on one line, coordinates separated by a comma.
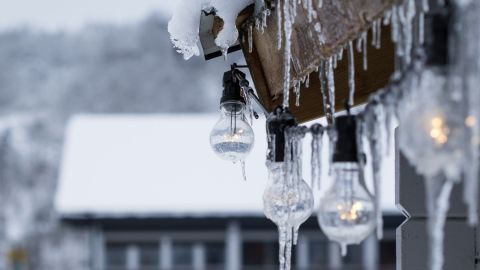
[(346, 149), (277, 122), (232, 91)]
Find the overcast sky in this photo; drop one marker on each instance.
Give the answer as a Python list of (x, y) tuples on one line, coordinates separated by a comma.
[(55, 15)]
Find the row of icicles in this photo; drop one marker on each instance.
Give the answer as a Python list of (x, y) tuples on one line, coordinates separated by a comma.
[(439, 131), (410, 81), (442, 146)]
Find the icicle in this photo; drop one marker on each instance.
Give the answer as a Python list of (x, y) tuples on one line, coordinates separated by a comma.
[(331, 87), (287, 51), (425, 6), (258, 24), (407, 30), (438, 206), (359, 44), (365, 60), (374, 33), (340, 54), (378, 38), (343, 249), (282, 243), (395, 24), (250, 38), (225, 53), (244, 174), (296, 90), (307, 81), (334, 59), (389, 115), (421, 28), (375, 141), (288, 250), (279, 24), (310, 9), (295, 235), (351, 74), (332, 140), (320, 3), (248, 101), (387, 16), (316, 158), (293, 9), (470, 196), (321, 75), (266, 13)]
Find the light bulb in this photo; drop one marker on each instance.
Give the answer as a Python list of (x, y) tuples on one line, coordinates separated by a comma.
[(347, 213), (286, 204), (232, 138)]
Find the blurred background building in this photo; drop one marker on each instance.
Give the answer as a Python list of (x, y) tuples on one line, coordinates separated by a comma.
[(104, 154), (149, 194)]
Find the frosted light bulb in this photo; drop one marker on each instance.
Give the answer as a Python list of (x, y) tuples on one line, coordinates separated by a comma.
[(347, 213), (232, 138), (287, 205)]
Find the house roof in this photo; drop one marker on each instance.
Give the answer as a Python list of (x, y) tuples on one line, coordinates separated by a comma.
[(161, 166)]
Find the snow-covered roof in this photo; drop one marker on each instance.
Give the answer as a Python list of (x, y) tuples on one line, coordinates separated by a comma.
[(160, 166)]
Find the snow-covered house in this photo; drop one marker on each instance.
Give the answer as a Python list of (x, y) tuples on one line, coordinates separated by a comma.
[(150, 194)]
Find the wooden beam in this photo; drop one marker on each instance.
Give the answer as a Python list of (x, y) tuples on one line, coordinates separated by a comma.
[(341, 21), (380, 68)]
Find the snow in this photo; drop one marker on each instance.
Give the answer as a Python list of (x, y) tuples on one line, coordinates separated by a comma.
[(184, 28), (162, 166), (155, 166), (228, 11)]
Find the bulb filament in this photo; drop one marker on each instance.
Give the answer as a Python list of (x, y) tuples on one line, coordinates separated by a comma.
[(439, 131)]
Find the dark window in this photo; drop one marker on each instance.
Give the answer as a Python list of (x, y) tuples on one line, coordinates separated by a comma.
[(182, 255), (215, 254), (149, 255), (262, 254), (116, 255)]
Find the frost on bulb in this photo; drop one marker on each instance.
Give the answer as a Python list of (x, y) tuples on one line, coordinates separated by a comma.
[(232, 138), (288, 202), (347, 213)]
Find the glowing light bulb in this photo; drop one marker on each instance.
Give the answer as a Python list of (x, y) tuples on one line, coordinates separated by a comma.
[(232, 138), (439, 131), (347, 213), (470, 121)]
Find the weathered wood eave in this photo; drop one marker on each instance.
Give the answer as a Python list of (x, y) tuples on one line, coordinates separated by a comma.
[(341, 22)]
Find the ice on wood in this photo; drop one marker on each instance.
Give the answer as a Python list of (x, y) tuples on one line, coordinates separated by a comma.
[(228, 11), (185, 23)]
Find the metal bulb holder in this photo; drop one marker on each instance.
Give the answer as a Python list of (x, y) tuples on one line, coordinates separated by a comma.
[(277, 122)]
